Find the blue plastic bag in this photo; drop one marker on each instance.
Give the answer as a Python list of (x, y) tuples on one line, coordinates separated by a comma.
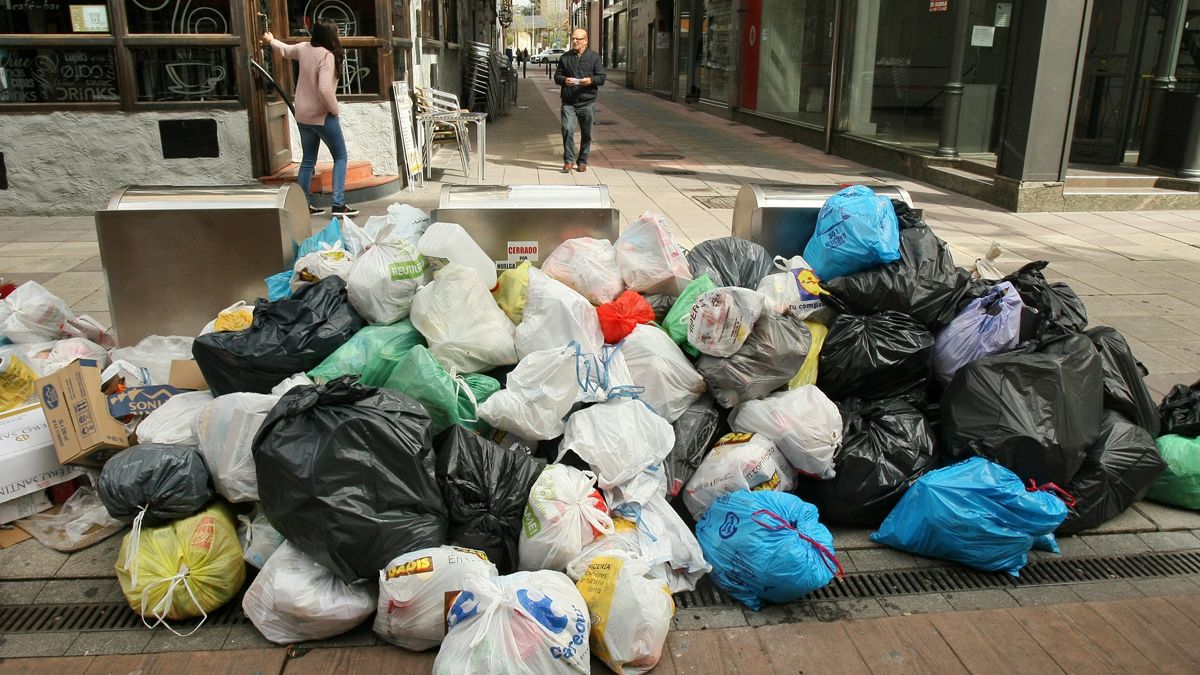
[(766, 545), (976, 513), (331, 235), (989, 325), (279, 286), (856, 230)]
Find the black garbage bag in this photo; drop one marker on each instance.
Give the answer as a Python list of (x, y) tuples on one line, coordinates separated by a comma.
[(731, 261), (485, 488), (1124, 389), (346, 473), (1179, 413), (1118, 470), (288, 336), (878, 356), (886, 446), (169, 481), (661, 304), (1059, 310), (695, 433), (1036, 410), (771, 355), (924, 283)]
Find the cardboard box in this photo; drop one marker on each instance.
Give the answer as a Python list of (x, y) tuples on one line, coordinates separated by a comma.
[(76, 409), (140, 401), (187, 375), (28, 461), (11, 535), (20, 507)]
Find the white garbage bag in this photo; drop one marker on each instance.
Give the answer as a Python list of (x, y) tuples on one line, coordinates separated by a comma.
[(630, 610), (259, 538), (618, 439), (589, 266), (466, 331), (407, 221), (554, 316), (33, 314), (649, 259), (722, 319), (796, 289), (803, 423), (384, 279), (416, 588), (225, 429), (64, 352), (294, 598), (354, 238), (174, 422), (155, 354), (565, 511), (297, 380), (603, 375), (668, 380), (527, 623), (330, 261), (536, 397), (739, 461)]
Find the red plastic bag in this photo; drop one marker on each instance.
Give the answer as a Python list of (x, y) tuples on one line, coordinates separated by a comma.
[(619, 317)]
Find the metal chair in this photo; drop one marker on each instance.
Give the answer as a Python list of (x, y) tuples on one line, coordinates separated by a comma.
[(440, 117)]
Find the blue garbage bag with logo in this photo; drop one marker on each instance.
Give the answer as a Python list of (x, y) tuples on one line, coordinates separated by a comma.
[(766, 546), (856, 230), (976, 513)]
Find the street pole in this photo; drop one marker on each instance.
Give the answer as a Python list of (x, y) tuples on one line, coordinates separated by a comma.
[(1164, 77), (953, 89)]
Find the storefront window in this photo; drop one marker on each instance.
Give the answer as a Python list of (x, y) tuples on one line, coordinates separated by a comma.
[(716, 63), (620, 41), (431, 20), (787, 50), (353, 17), (57, 75), (38, 16), (178, 16), (184, 74)]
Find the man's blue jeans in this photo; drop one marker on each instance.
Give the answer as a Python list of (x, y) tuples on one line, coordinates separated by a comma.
[(577, 117), (311, 136)]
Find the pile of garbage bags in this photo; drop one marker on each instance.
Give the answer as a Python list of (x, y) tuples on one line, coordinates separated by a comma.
[(522, 467)]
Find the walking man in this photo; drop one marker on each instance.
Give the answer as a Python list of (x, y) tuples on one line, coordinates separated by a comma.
[(580, 72)]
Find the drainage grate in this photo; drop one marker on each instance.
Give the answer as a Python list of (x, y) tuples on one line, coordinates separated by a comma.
[(675, 172), (950, 579), (658, 155), (97, 616), (716, 202)]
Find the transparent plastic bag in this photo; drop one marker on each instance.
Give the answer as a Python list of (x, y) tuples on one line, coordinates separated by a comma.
[(174, 422), (225, 429), (259, 538), (722, 319), (737, 462), (668, 379), (465, 328), (81, 522), (33, 314), (589, 266), (155, 353), (649, 259), (555, 315), (803, 423)]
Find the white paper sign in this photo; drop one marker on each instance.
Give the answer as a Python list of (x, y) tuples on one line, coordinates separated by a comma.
[(1003, 14), (983, 36)]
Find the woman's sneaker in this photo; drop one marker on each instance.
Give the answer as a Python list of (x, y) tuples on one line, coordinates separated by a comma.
[(314, 211), (343, 210)]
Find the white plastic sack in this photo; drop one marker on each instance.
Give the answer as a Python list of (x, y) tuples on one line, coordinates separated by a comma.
[(618, 439), (328, 262), (589, 266), (33, 314), (64, 352), (466, 331), (565, 511), (174, 422), (80, 522), (354, 239), (415, 588), (155, 354), (297, 380), (84, 326), (795, 289), (528, 623), (225, 429), (554, 316), (259, 538), (668, 379), (384, 279), (631, 612), (985, 267), (603, 375), (738, 462), (803, 423), (537, 395), (294, 598), (408, 222), (722, 319), (650, 260)]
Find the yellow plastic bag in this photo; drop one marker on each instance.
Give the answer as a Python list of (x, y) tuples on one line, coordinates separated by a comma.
[(808, 371), (631, 612), (510, 291), (234, 319), (16, 382), (183, 570)]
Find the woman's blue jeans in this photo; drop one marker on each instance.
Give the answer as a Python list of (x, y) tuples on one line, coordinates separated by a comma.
[(311, 136)]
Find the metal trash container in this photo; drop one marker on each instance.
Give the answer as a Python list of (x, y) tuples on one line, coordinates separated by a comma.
[(174, 257), (783, 217), (513, 223)]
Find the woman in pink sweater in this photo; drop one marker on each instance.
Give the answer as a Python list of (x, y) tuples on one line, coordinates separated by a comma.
[(317, 108)]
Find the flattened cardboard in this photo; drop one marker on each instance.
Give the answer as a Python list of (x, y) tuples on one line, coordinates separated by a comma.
[(187, 375)]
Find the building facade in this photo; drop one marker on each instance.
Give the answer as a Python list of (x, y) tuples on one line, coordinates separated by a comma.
[(119, 92)]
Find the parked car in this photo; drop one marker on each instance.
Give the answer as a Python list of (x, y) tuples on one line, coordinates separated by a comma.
[(550, 55)]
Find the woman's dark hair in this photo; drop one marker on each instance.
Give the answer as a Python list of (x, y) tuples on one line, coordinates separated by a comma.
[(325, 34)]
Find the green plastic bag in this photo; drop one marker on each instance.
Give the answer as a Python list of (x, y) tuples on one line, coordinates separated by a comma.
[(371, 354), (676, 322), (448, 400), (1179, 484)]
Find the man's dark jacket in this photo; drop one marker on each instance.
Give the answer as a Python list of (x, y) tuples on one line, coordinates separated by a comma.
[(579, 66)]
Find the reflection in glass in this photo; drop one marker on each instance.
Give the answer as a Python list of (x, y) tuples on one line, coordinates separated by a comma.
[(58, 75), (360, 72), (184, 74), (716, 63), (787, 50), (178, 17), (353, 17), (36, 17)]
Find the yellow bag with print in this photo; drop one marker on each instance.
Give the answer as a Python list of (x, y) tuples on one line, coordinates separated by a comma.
[(511, 288), (16, 382), (808, 370), (631, 612), (182, 570)]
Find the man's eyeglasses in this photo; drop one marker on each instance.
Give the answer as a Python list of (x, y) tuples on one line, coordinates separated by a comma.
[(574, 39)]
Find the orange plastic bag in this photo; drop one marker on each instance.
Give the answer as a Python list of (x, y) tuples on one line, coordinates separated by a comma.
[(619, 317)]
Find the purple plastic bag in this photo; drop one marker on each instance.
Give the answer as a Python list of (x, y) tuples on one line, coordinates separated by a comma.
[(988, 326)]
